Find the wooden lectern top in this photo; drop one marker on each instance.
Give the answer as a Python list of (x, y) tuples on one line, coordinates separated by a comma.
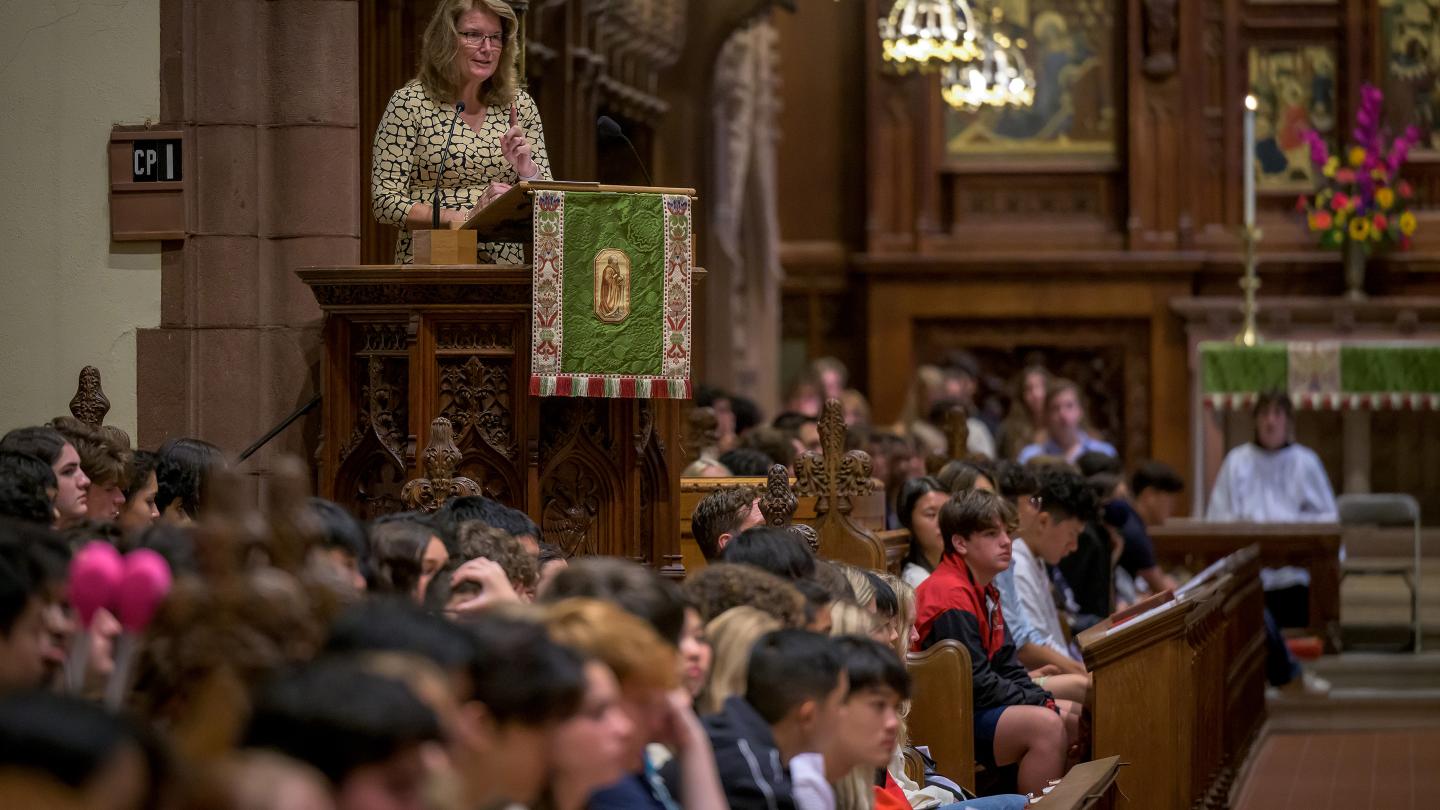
[(507, 217)]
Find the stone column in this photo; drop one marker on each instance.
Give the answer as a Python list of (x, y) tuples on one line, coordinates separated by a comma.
[(266, 92)]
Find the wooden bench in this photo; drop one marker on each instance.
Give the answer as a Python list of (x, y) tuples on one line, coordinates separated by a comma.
[(1179, 689), (940, 709), (1312, 546)]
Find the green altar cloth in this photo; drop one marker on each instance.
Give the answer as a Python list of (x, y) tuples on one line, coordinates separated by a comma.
[(1323, 375)]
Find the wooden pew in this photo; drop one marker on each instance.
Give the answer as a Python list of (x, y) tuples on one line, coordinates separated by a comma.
[(1088, 786), (940, 709), (1313, 546), (1179, 689)]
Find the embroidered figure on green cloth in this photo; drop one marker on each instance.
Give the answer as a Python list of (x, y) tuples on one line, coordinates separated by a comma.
[(612, 285)]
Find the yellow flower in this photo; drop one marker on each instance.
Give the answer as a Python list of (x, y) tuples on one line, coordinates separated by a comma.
[(1350, 204), (1377, 175), (1385, 197), (1331, 165), (1357, 156), (1407, 223), (1359, 229), (1341, 217)]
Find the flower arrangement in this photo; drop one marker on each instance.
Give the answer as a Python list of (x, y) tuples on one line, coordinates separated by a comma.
[(1361, 202)]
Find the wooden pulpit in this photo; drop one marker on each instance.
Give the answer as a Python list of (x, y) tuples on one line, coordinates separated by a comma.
[(407, 344)]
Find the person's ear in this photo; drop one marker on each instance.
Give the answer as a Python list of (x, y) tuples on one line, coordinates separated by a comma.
[(475, 727), (957, 542), (805, 713), (722, 541)]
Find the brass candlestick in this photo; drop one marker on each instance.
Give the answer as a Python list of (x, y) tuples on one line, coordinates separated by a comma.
[(1249, 285)]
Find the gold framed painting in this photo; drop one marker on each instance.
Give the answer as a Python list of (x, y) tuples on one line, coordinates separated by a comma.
[(1069, 45), (1409, 60), (1294, 89)]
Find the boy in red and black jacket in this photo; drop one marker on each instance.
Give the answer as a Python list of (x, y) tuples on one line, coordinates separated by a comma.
[(1015, 720)]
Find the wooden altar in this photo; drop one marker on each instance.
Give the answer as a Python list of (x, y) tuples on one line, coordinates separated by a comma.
[(406, 344)]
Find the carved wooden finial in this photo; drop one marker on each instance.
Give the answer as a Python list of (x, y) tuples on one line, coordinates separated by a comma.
[(957, 431), (90, 404), (440, 482), (807, 533), (833, 475), (778, 501)]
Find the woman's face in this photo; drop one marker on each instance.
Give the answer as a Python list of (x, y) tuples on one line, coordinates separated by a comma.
[(590, 747), (431, 562), (477, 62), (104, 501), (1035, 394), (925, 523), (695, 654), (104, 629), (139, 512), (72, 496)]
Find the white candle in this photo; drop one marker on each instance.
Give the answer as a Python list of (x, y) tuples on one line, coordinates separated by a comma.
[(1250, 106)]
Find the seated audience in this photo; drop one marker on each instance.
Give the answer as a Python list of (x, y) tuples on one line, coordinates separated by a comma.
[(732, 634), (477, 540), (405, 554), (747, 462), (141, 489), (919, 511), (1153, 487), (182, 478), (24, 596), (457, 511), (1015, 720), (72, 486), (105, 462), (551, 561), (342, 545), (27, 489), (1065, 504), (696, 655), (773, 442), (1065, 427), (1024, 424), (959, 476), (638, 590), (771, 549), (723, 514), (717, 588)]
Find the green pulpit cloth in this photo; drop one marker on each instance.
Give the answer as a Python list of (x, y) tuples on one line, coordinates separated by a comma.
[(1323, 375), (612, 306)]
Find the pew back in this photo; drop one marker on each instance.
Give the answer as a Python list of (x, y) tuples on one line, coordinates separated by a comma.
[(940, 709)]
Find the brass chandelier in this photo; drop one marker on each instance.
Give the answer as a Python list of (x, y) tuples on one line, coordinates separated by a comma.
[(925, 34), (1000, 78)]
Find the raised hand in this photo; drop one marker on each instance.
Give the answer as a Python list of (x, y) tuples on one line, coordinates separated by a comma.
[(516, 148)]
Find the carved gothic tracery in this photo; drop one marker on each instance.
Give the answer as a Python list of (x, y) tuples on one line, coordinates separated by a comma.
[(475, 396)]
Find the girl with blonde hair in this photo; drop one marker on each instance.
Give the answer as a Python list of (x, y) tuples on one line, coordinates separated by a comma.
[(731, 636)]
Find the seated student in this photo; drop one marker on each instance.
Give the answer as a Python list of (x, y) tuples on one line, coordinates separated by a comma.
[(794, 687), (342, 547), (1019, 485), (141, 488), (366, 733), (918, 510), (182, 477), (72, 485), (477, 540), (589, 748), (716, 588), (1015, 720), (637, 589), (722, 515), (105, 462), (405, 554), (747, 462), (551, 561), (457, 511), (1066, 503), (774, 550), (23, 599), (696, 655), (644, 665), (27, 488), (1151, 502), (732, 634), (1065, 426)]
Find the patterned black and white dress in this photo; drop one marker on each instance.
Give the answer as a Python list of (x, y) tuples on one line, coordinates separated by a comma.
[(406, 161)]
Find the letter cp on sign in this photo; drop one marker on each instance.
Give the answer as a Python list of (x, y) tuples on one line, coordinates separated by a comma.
[(155, 161)]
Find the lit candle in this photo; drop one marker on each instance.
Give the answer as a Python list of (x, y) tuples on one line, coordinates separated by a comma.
[(1250, 106)]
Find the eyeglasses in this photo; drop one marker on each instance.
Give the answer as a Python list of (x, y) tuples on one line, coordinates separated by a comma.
[(478, 40)]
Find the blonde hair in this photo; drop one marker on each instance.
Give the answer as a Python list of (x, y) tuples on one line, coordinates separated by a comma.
[(441, 44), (859, 584), (732, 634), (622, 641), (848, 619), (905, 615), (855, 791)]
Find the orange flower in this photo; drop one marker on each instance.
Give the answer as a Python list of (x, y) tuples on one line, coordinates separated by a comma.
[(1321, 221)]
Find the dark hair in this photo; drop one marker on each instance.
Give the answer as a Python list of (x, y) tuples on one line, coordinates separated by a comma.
[(21, 576), (707, 395), (476, 539), (958, 476), (720, 586), (817, 598), (1103, 485), (788, 667), (910, 494), (1155, 475), (549, 552), (720, 512), (396, 550), (775, 550), (747, 413), (773, 442), (1015, 481), (792, 421), (25, 484), (942, 408), (1064, 494), (175, 543), (872, 665), (1095, 463), (520, 674), (746, 461), (635, 588), (391, 624), (44, 443), (340, 529), (1274, 399), (886, 602), (974, 511), (183, 474), (71, 740), (834, 581), (103, 458), (457, 511), (338, 716), (142, 466)]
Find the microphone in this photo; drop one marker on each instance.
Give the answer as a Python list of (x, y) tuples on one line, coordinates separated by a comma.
[(444, 153), (610, 129)]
